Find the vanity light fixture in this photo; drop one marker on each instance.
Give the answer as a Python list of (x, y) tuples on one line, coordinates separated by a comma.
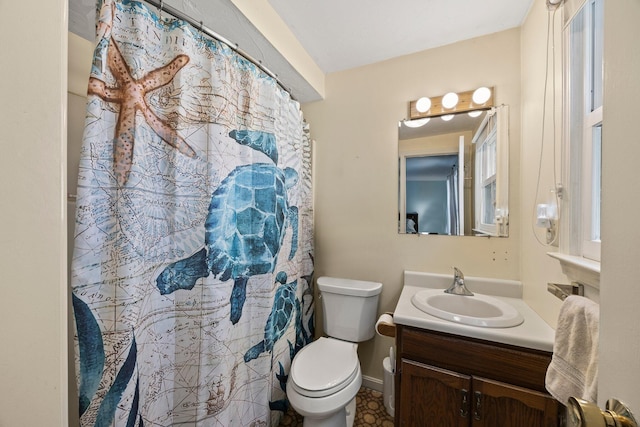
[(415, 123), (553, 4), (447, 117), (423, 104), (452, 103), (450, 100), (481, 95)]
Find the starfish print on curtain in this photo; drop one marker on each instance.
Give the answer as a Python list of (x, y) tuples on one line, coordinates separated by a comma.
[(192, 269), (130, 94)]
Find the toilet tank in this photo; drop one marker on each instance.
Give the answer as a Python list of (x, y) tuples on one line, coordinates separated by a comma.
[(350, 307)]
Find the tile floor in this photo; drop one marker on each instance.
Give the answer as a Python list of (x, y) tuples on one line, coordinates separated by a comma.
[(370, 411)]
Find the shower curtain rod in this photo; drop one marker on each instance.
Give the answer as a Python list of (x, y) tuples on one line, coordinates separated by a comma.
[(234, 46)]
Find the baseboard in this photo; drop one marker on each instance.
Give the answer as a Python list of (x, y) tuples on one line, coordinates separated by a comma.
[(372, 383)]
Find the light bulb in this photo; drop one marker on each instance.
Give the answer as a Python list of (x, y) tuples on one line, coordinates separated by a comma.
[(447, 117), (423, 104), (481, 95), (450, 100), (416, 123), (474, 113)]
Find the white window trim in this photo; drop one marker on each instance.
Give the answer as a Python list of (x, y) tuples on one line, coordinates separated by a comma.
[(490, 229), (579, 269), (578, 254), (590, 247), (501, 131)]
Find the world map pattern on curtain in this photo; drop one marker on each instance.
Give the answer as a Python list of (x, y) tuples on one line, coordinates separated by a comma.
[(193, 256)]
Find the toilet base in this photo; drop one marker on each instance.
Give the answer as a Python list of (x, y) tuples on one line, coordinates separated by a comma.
[(343, 418)]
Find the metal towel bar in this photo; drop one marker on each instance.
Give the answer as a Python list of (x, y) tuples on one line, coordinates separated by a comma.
[(563, 291)]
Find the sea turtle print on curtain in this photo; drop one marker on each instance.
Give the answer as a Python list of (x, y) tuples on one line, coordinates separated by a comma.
[(245, 227), (193, 256)]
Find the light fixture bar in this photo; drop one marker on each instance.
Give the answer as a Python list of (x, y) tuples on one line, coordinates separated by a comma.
[(465, 103)]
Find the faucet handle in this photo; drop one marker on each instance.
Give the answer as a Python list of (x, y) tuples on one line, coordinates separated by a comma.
[(458, 287)]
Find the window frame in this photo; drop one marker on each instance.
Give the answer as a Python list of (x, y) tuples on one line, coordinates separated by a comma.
[(495, 129), (580, 119), (486, 176)]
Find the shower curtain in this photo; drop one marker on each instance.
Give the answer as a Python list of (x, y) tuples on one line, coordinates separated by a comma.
[(193, 256), (453, 206)]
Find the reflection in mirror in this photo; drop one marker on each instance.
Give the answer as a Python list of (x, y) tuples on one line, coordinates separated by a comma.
[(432, 194), (450, 175)]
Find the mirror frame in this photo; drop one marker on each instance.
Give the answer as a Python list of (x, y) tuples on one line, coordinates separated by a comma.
[(501, 227)]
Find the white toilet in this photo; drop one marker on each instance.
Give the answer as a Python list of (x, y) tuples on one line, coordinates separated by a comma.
[(325, 375)]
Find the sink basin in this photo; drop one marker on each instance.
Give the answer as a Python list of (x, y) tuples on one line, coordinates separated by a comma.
[(478, 310)]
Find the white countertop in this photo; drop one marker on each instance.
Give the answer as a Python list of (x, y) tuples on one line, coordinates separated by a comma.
[(533, 333)]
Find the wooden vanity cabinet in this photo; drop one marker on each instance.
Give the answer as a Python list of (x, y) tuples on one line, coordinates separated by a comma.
[(444, 380)]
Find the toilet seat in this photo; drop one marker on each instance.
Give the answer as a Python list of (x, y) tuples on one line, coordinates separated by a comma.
[(324, 367)]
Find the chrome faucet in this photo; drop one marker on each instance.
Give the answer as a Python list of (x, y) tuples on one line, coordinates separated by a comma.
[(458, 287)]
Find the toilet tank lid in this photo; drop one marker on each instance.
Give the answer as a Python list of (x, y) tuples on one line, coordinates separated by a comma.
[(358, 288)]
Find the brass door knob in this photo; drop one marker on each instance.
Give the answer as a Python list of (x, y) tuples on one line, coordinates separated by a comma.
[(581, 413)]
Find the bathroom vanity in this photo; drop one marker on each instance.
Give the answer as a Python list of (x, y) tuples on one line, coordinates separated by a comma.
[(454, 374)]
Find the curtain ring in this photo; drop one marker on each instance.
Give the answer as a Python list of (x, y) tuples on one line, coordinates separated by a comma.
[(161, 8), (201, 26)]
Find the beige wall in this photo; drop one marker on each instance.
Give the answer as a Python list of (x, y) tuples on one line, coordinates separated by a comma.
[(619, 373), (33, 331), (447, 143), (537, 267), (356, 171)]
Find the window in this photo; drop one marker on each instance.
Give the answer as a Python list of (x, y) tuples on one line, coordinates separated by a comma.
[(491, 186), (583, 119), (486, 178)]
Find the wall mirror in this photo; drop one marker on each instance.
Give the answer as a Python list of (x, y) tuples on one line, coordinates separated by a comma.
[(453, 171)]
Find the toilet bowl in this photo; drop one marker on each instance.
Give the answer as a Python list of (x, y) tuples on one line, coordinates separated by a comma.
[(325, 375), (324, 380)]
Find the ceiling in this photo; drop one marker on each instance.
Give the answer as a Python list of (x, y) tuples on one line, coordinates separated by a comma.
[(341, 34)]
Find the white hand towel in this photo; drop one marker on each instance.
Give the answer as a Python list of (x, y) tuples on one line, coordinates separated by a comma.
[(573, 370)]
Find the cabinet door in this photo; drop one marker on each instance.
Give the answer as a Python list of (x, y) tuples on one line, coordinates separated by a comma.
[(433, 397), (496, 404)]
